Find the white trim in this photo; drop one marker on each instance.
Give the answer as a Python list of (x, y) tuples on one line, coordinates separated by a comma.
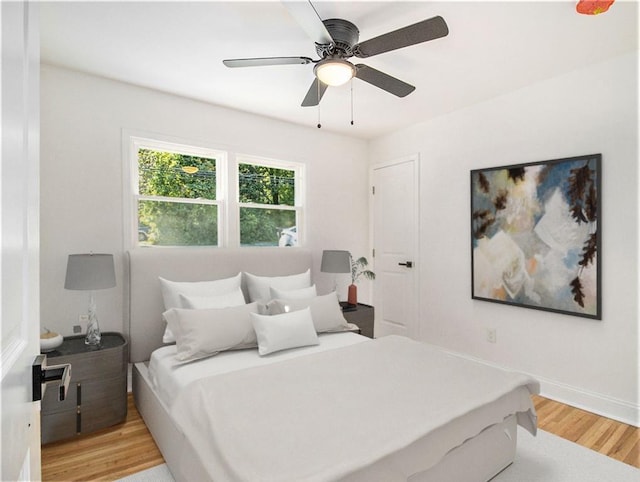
[(279, 207), (132, 141), (393, 162), (178, 200), (227, 160), (598, 403), (299, 176), (232, 211), (267, 161)]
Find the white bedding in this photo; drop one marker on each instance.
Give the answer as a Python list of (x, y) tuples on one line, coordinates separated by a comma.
[(169, 376), (377, 402)]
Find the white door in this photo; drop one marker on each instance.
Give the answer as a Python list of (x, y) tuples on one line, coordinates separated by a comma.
[(395, 240), (19, 243)]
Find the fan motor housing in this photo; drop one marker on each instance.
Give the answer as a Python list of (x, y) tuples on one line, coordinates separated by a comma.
[(344, 34)]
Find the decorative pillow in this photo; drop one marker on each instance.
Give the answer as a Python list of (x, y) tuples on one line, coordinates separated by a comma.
[(258, 286), (299, 294), (233, 298), (171, 291), (325, 311), (203, 333), (287, 330)]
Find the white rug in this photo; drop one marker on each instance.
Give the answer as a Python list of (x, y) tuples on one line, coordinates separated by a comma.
[(545, 458)]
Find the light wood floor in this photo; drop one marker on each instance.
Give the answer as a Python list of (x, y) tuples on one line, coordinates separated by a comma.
[(108, 454), (127, 448)]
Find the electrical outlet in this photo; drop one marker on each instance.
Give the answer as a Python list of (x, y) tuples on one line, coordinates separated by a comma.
[(491, 335), (81, 327)]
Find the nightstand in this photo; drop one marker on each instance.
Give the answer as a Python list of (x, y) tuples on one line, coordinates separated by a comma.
[(97, 396), (361, 315)]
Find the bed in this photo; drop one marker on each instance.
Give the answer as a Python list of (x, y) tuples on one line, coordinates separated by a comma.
[(345, 407)]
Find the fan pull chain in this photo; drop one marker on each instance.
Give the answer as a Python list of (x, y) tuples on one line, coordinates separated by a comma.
[(318, 85), (352, 101)]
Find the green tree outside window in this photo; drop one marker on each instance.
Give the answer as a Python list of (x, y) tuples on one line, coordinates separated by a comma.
[(178, 193)]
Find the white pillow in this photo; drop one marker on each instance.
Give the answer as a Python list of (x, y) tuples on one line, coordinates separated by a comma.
[(299, 294), (325, 311), (280, 332), (171, 290), (233, 298), (202, 333), (258, 286)]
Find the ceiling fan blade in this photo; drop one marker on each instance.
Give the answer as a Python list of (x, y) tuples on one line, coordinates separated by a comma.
[(315, 93), (305, 14), (383, 81), (262, 61), (429, 29)]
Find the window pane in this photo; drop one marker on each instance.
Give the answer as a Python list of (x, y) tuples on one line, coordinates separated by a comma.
[(266, 185), (267, 227), (177, 224), (176, 175)]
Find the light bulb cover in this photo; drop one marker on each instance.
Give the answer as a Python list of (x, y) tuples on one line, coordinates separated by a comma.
[(334, 72)]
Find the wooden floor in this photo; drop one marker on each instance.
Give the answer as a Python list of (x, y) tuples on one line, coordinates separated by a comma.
[(128, 448), (614, 439), (108, 454)]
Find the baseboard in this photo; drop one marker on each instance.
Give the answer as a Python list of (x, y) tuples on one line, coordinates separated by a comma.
[(603, 405), (597, 403)]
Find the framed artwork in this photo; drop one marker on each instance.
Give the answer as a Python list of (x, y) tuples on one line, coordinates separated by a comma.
[(536, 237)]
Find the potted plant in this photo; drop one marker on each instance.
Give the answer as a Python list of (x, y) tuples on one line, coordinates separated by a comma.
[(358, 269)]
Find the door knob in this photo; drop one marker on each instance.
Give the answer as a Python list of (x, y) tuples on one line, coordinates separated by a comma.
[(408, 264)]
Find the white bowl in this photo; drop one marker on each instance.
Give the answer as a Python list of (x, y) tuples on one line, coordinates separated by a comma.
[(50, 341)]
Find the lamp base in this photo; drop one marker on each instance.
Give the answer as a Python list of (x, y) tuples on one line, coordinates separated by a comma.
[(93, 329), (93, 334)]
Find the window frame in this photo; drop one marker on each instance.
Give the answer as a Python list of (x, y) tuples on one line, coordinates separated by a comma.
[(137, 142), (298, 169), (227, 186)]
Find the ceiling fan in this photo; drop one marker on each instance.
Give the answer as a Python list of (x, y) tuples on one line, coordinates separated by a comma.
[(338, 40)]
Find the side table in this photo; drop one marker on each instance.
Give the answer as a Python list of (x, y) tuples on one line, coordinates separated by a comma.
[(361, 315), (97, 396)]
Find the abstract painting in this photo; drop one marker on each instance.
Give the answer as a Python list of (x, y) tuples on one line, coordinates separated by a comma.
[(536, 237)]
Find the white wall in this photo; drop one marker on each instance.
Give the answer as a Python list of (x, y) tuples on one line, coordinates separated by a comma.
[(595, 110), (82, 119)]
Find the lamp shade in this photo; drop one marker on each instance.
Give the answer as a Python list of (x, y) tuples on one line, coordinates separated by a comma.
[(334, 261), (90, 272)]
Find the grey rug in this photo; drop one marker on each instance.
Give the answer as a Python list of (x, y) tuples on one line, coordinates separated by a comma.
[(545, 458)]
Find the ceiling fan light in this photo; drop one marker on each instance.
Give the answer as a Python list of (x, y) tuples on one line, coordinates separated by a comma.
[(334, 72)]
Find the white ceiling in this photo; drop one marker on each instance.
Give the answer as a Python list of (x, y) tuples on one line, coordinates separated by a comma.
[(178, 47)]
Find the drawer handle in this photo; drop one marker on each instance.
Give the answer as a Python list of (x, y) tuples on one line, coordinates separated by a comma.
[(408, 264)]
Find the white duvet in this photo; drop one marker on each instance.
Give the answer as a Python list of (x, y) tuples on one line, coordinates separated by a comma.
[(170, 376), (334, 415)]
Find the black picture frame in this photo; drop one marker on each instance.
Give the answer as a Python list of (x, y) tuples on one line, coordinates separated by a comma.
[(536, 235)]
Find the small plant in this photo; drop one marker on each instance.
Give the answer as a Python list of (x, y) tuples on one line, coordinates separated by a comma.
[(359, 268)]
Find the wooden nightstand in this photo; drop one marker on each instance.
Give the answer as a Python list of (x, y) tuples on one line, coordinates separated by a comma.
[(361, 315), (97, 395)]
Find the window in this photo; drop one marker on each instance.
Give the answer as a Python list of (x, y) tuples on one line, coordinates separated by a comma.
[(269, 203), (177, 196), (184, 195)]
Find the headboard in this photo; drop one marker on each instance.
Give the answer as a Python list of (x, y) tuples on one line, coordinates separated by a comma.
[(143, 305)]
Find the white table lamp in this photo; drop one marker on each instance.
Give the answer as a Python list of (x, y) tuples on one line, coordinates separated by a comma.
[(335, 261), (90, 272)]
